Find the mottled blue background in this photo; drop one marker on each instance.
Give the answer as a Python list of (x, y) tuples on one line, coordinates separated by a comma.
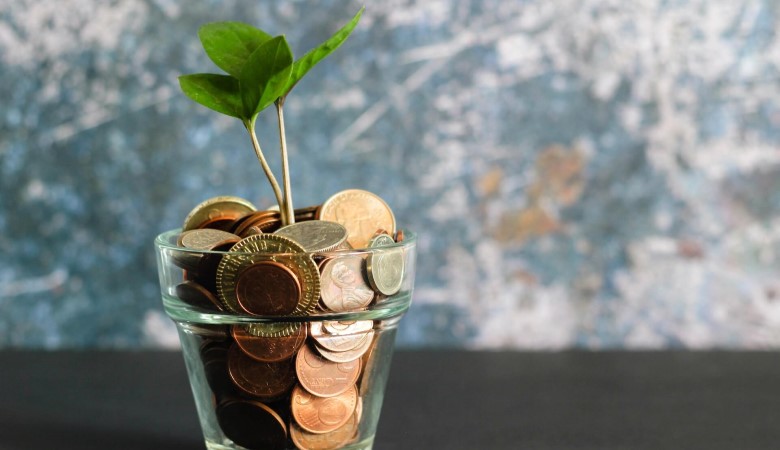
[(587, 173)]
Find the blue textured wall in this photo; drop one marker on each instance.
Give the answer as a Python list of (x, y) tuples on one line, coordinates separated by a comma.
[(595, 173)]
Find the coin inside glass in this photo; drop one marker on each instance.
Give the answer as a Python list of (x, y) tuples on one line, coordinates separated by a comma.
[(265, 380), (322, 377), (343, 287), (268, 288), (217, 212), (196, 295), (269, 348), (315, 235), (385, 267), (322, 415), (252, 424)]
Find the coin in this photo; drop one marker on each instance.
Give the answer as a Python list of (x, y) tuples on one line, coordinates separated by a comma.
[(348, 355), (207, 239), (322, 415), (265, 248), (252, 424), (213, 354), (333, 440), (265, 221), (267, 288), (315, 235), (322, 377), (196, 295), (399, 236), (385, 267), (361, 213), (217, 212), (269, 349), (343, 286), (307, 213), (347, 339), (265, 380)]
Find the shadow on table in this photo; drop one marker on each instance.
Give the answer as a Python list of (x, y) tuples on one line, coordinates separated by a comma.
[(23, 434)]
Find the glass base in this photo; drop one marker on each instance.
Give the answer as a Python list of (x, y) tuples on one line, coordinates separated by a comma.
[(365, 444)]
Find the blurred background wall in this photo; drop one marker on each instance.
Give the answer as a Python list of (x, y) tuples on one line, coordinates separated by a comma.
[(583, 173)]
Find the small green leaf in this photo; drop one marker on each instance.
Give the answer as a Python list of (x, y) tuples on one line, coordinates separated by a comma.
[(265, 75), (315, 55), (218, 92), (229, 44)]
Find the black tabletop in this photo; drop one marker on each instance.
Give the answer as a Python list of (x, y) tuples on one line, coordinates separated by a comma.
[(435, 400)]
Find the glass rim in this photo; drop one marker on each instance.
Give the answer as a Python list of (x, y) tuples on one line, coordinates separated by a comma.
[(167, 241)]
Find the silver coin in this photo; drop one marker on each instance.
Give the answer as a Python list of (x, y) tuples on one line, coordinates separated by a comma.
[(315, 235), (348, 339), (385, 267), (349, 355)]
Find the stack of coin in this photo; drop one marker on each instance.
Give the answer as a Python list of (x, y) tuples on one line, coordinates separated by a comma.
[(290, 381)]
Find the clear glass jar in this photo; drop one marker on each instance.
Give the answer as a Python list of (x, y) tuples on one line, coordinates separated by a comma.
[(312, 378)]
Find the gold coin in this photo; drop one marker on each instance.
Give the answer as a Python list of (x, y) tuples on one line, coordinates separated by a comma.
[(361, 213), (217, 212), (385, 267), (322, 415), (343, 287), (265, 248)]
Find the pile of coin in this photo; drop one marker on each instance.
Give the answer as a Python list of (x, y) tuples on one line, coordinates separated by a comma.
[(297, 381)]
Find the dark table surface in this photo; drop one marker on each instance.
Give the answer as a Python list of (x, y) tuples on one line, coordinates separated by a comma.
[(435, 400)]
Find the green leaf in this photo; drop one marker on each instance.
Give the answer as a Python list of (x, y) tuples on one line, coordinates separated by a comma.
[(319, 53), (218, 92), (265, 75), (229, 44)]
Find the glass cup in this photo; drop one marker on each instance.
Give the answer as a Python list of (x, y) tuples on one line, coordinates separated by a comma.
[(308, 374)]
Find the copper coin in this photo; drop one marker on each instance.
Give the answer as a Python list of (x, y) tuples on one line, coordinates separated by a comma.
[(263, 220), (213, 355), (322, 377), (268, 288), (262, 248), (269, 349), (361, 213), (217, 212), (198, 296), (349, 338), (348, 355), (206, 272), (252, 425), (333, 440), (322, 415), (399, 236), (307, 213), (265, 380), (343, 286)]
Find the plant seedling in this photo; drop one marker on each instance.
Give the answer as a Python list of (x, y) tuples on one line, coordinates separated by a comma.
[(260, 71)]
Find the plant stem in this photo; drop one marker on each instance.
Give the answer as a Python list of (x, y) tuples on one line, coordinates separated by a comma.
[(288, 205), (250, 127)]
